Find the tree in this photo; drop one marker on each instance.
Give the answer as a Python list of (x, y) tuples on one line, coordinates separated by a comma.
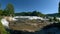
[(59, 8), (5, 13), (1, 12), (50, 19), (10, 9), (36, 13), (54, 19)]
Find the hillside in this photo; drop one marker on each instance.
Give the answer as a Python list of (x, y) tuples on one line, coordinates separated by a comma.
[(55, 14), (34, 13)]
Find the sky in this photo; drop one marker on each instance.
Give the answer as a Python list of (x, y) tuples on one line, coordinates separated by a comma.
[(43, 6)]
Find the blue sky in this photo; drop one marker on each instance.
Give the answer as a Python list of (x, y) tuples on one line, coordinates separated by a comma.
[(43, 6)]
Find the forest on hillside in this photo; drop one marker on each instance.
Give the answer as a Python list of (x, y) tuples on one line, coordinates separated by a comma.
[(33, 13)]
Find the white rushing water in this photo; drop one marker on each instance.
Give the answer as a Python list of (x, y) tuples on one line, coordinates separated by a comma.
[(5, 23)]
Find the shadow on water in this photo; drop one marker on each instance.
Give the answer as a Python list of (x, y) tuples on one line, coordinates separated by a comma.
[(49, 29)]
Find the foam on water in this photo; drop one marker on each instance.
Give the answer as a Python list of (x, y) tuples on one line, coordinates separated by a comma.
[(5, 23)]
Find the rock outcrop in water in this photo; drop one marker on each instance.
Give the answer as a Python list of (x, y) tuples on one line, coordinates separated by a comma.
[(32, 27), (49, 29)]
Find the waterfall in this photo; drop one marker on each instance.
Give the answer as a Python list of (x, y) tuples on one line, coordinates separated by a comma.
[(5, 23)]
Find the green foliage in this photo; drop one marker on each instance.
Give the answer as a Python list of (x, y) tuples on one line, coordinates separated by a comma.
[(9, 9), (1, 12), (34, 13), (5, 13), (50, 20), (54, 19)]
